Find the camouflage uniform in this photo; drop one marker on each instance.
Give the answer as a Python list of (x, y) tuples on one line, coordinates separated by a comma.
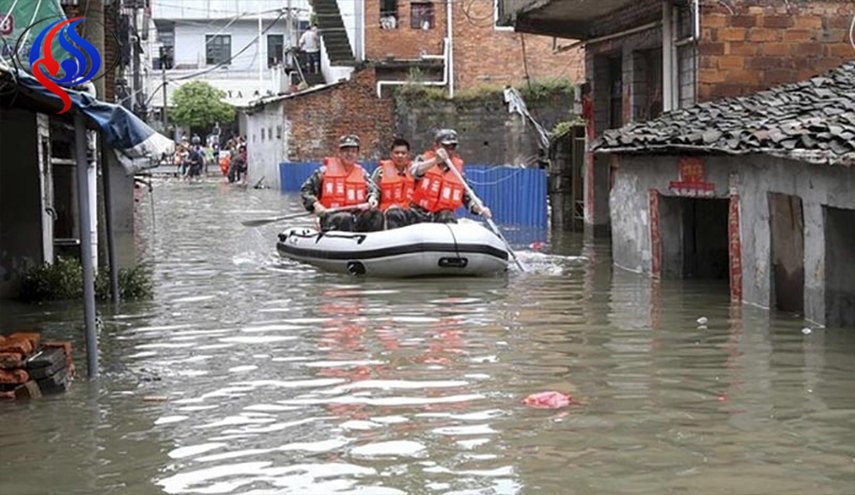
[(364, 221), (444, 216)]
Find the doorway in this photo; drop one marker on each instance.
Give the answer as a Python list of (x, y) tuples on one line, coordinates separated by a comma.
[(839, 267), (694, 238), (787, 230)]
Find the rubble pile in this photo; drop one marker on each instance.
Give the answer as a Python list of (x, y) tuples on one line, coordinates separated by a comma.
[(31, 367)]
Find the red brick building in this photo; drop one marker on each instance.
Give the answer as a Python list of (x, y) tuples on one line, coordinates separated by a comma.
[(486, 50), (643, 57), (385, 43)]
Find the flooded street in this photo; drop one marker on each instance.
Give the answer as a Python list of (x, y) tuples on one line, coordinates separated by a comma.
[(278, 379)]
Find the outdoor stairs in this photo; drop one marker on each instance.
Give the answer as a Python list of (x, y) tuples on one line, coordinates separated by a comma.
[(332, 31)]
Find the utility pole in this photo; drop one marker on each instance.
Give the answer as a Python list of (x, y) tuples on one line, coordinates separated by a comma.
[(93, 32), (164, 51), (139, 108), (260, 53)]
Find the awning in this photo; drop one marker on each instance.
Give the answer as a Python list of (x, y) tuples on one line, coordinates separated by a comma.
[(137, 146)]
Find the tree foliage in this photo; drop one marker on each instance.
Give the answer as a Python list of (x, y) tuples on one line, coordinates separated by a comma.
[(197, 105)]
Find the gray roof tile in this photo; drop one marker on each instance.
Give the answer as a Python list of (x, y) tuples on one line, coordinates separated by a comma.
[(810, 121)]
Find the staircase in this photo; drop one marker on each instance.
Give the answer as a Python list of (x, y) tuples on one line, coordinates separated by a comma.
[(332, 32)]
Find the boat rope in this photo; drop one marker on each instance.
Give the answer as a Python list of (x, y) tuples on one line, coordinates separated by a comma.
[(454, 238)]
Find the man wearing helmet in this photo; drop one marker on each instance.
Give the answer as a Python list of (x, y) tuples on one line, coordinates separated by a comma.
[(339, 183), (439, 191)]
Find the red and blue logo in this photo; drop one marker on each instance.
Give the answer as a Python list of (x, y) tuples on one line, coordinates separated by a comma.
[(81, 65)]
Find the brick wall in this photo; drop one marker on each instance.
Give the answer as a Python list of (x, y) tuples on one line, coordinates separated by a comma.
[(485, 55), (482, 53), (403, 42), (319, 118), (752, 46)]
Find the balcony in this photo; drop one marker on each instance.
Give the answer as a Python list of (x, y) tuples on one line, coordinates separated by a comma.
[(564, 18)]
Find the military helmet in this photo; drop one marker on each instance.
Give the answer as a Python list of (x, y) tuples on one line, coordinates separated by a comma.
[(446, 136), (349, 141)]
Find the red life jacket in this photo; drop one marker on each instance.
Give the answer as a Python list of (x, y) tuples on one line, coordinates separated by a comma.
[(340, 188), (395, 189), (439, 190)]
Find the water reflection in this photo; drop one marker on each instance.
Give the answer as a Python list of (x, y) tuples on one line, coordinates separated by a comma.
[(282, 379)]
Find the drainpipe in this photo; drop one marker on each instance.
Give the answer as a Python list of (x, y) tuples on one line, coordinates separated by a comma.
[(450, 49), (697, 19), (443, 82), (667, 54)]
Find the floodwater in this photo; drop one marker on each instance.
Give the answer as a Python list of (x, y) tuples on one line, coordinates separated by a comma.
[(251, 375)]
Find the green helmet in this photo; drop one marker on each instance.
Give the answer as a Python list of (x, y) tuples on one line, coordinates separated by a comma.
[(446, 136)]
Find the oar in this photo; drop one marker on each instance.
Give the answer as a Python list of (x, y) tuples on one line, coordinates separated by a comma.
[(489, 221), (264, 221)]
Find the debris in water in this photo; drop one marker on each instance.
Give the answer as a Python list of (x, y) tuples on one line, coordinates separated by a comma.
[(537, 246), (806, 331), (703, 320), (549, 400)]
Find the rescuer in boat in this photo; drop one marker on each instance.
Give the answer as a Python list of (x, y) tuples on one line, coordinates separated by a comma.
[(339, 183), (438, 190), (396, 184)]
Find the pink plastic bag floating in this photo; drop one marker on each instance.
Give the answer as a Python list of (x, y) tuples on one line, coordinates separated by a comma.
[(537, 246), (548, 400)]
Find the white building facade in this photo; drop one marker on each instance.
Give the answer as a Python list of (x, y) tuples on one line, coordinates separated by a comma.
[(237, 46)]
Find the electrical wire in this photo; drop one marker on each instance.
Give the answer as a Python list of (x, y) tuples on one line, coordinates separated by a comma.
[(209, 69), (852, 32)]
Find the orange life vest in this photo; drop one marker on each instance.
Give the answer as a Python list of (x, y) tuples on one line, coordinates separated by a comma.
[(439, 190), (395, 189), (225, 162), (340, 188)]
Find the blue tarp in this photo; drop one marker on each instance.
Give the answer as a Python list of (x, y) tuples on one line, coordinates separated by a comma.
[(137, 146)]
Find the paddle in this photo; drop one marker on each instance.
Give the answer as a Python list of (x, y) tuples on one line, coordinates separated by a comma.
[(489, 221), (264, 221)]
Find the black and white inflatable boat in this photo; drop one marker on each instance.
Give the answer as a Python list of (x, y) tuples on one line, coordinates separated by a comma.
[(421, 250)]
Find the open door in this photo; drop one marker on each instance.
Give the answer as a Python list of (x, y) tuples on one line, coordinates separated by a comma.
[(788, 252), (839, 267)]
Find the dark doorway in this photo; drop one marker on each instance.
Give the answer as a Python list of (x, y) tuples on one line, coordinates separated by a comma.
[(705, 253), (787, 229), (694, 238), (839, 267)]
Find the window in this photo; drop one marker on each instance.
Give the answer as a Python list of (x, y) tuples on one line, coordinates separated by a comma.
[(218, 49), (388, 14), (421, 15), (275, 49), (502, 14), (615, 93)]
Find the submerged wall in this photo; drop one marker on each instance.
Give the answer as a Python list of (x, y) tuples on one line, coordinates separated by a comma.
[(752, 178)]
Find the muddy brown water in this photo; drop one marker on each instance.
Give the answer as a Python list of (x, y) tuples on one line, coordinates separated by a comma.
[(279, 379)]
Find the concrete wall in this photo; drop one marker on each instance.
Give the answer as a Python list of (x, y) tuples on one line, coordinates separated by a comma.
[(20, 198), (488, 133), (190, 43), (753, 177), (267, 134)]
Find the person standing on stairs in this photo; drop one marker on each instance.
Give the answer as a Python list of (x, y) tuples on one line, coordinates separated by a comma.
[(310, 43)]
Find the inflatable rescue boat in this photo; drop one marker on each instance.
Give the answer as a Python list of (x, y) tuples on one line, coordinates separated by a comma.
[(421, 250)]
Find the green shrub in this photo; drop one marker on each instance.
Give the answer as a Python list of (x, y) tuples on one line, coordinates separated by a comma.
[(63, 280)]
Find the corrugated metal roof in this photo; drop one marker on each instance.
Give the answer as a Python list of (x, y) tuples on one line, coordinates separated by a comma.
[(811, 121)]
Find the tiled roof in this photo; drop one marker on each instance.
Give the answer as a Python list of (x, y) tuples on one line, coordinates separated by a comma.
[(811, 121)]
